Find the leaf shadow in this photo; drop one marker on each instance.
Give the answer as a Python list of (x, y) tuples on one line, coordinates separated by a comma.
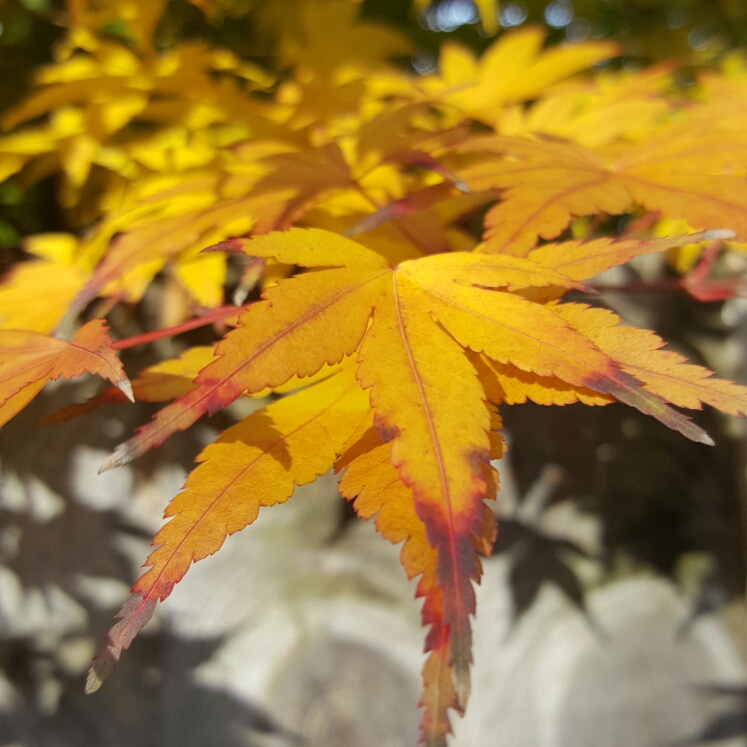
[(537, 558), (155, 701), (258, 430), (656, 495), (726, 725), (42, 486)]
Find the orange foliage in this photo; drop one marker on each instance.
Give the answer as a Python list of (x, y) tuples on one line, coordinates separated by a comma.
[(28, 360)]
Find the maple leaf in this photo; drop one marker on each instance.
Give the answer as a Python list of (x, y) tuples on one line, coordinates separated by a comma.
[(512, 69), (284, 334), (331, 32), (436, 338), (686, 170), (187, 97), (28, 360), (595, 113), (402, 342)]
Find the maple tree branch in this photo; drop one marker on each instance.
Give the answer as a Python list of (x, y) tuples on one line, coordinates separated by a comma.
[(216, 315)]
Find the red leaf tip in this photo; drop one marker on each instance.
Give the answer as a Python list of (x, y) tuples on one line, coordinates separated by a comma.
[(135, 614), (233, 246)]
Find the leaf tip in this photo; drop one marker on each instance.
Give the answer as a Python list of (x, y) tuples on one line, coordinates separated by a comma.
[(461, 185), (585, 288), (706, 439), (118, 458), (462, 688), (134, 616), (718, 233), (94, 680), (232, 246), (125, 387)]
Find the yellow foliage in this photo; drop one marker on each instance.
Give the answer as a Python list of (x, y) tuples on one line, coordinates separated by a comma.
[(387, 353)]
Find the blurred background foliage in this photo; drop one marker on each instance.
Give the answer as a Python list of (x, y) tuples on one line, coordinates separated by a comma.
[(693, 33)]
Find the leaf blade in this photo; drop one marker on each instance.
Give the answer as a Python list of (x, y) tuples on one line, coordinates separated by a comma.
[(286, 444), (412, 396), (289, 332), (510, 329), (372, 483), (29, 359), (664, 373), (582, 260)]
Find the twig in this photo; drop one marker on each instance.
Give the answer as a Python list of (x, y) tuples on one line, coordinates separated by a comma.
[(216, 315)]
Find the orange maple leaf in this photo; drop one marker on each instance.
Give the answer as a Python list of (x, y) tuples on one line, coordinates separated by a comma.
[(394, 350), (436, 338), (687, 170), (28, 360)]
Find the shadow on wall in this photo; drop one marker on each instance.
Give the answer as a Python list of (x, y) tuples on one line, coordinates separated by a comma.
[(300, 632)]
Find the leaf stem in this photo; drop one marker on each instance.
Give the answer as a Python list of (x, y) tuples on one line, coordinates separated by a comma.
[(711, 290), (638, 286), (213, 316)]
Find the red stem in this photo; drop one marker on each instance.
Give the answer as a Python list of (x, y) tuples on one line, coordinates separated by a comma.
[(215, 315)]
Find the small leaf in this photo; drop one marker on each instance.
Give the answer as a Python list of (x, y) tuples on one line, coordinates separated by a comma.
[(29, 359)]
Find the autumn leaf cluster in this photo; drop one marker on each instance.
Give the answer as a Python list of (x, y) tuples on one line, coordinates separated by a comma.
[(343, 197)]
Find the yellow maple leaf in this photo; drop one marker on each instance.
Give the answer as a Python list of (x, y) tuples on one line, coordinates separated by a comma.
[(596, 113), (513, 69), (330, 32)]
